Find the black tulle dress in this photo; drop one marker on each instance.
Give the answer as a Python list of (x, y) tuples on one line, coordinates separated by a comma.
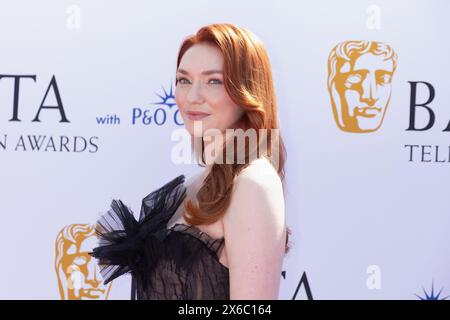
[(180, 262)]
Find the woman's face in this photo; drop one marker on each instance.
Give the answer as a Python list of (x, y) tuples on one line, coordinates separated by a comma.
[(200, 92)]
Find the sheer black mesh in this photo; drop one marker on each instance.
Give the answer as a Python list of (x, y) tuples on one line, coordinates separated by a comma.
[(180, 262)]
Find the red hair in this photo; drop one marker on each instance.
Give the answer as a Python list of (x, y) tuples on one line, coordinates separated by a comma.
[(248, 81)]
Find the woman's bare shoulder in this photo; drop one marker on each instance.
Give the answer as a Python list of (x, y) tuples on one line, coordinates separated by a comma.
[(260, 173), (257, 194)]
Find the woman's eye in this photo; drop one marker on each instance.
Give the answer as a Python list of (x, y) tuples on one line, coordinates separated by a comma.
[(182, 80), (215, 81)]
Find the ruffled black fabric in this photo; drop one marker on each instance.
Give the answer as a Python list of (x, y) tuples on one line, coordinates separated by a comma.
[(177, 263)]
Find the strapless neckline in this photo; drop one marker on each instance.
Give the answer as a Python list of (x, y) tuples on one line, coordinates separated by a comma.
[(177, 261)]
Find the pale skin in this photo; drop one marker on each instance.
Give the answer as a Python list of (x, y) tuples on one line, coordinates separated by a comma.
[(254, 224)]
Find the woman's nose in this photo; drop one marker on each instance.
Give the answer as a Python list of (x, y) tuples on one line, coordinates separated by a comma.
[(195, 95)]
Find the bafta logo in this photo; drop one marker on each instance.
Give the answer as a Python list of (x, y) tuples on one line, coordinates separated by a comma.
[(360, 84), (77, 272)]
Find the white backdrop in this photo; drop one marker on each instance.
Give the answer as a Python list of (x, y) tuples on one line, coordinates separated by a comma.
[(369, 221)]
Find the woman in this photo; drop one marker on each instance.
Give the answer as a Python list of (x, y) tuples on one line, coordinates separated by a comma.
[(222, 234)]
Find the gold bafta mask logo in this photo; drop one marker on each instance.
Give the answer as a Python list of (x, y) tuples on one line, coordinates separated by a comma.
[(360, 84), (77, 272)]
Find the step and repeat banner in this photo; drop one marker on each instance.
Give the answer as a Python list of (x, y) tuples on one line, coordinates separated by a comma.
[(87, 115)]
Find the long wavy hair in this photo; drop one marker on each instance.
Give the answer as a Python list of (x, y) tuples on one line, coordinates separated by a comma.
[(248, 81)]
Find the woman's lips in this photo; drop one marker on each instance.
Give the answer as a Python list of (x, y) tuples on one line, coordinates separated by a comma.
[(196, 115)]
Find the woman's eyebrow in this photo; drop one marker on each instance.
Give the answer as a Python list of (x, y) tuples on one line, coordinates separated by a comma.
[(206, 72)]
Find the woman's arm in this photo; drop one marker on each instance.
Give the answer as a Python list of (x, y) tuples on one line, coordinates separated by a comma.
[(254, 230)]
